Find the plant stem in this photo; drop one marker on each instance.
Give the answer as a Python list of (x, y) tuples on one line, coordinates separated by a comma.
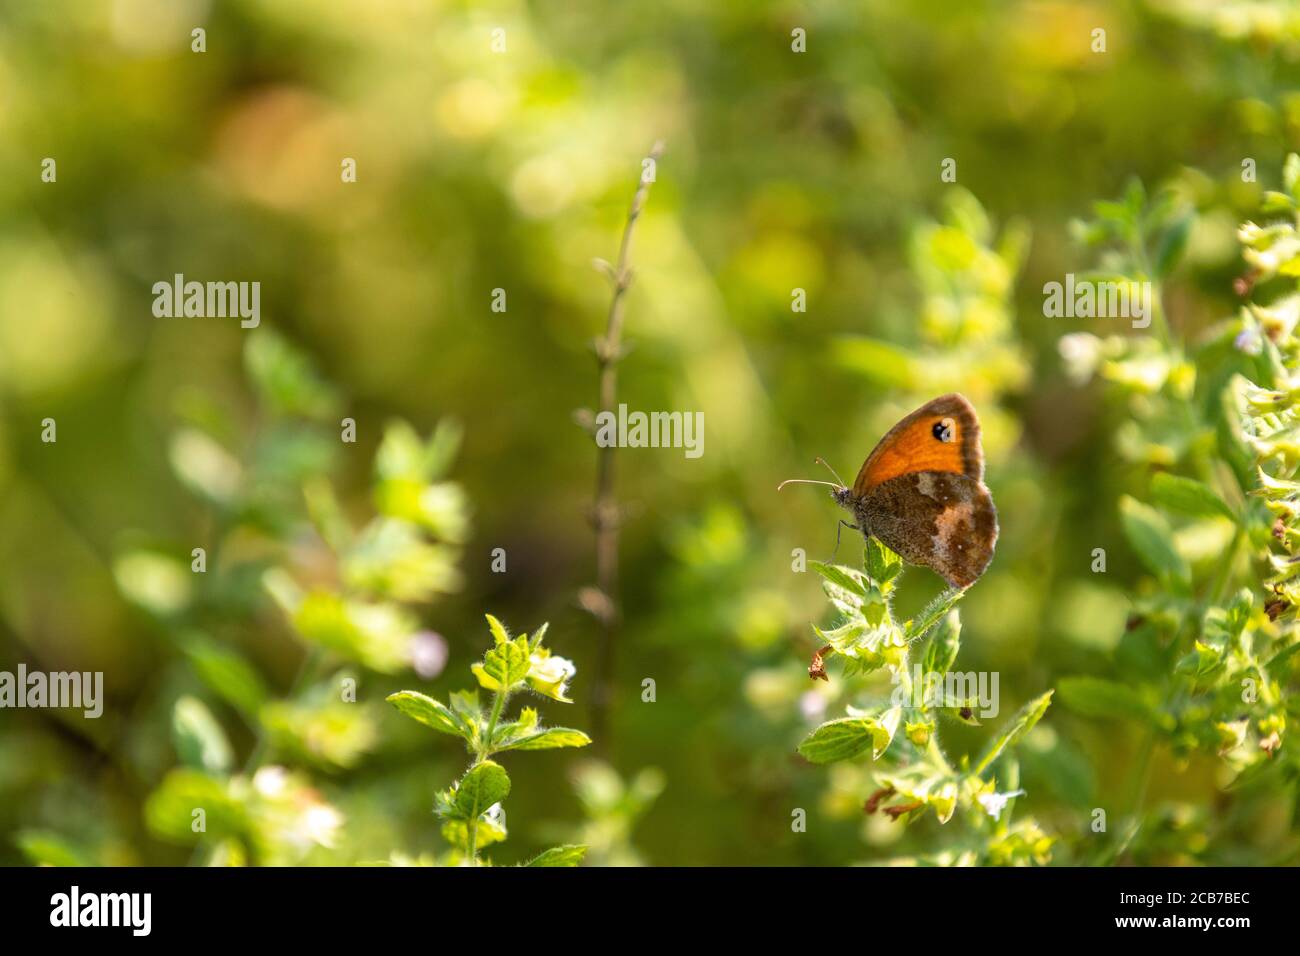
[(605, 511), (935, 752), (932, 748), (1139, 783), (485, 749), (1225, 569)]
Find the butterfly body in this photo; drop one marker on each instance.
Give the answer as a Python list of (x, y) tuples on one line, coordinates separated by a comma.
[(921, 492)]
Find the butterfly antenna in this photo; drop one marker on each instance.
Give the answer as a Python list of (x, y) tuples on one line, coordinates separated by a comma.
[(806, 481), (822, 461)]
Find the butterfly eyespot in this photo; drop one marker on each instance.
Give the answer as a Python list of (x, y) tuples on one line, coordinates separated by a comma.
[(944, 430)]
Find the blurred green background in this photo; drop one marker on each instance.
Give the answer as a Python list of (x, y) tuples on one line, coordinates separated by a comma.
[(480, 170)]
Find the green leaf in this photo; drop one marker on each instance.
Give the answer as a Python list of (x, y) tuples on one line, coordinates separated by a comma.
[(846, 579), (851, 737), (1172, 244), (432, 713), (499, 633), (883, 565), (1151, 537), (393, 559), (549, 739), (921, 784), (47, 848), (465, 703), (851, 591), (1291, 175), (402, 454), (487, 832), (317, 727), (378, 635), (504, 665), (227, 673), (441, 508), (485, 784), (568, 855), (204, 466), (169, 809), (1142, 372), (200, 741), (1238, 614), (932, 614), (1282, 656), (444, 804), (1095, 697), (1016, 728), (159, 583), (1187, 496), (326, 514), (942, 650), (1204, 659), (1112, 212), (1135, 198), (524, 725), (885, 364), (442, 447), (1276, 489), (285, 378)]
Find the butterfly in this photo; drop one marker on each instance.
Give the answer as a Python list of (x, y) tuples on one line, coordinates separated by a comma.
[(921, 492)]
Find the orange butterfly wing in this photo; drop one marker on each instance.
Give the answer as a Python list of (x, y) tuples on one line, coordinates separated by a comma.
[(941, 435)]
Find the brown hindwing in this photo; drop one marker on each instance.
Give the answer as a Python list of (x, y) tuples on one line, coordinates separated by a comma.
[(937, 519)]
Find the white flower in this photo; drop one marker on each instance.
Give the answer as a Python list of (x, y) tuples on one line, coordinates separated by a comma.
[(549, 675), (320, 824), (995, 803), (270, 781)]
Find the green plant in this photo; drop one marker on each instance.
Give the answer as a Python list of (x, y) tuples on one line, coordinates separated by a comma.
[(916, 775), (1204, 665), (351, 595), (612, 807), (956, 330), (471, 808)]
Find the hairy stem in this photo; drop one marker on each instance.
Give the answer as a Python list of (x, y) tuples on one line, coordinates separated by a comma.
[(485, 749)]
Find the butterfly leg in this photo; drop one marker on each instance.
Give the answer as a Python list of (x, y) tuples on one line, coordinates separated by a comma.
[(838, 530)]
